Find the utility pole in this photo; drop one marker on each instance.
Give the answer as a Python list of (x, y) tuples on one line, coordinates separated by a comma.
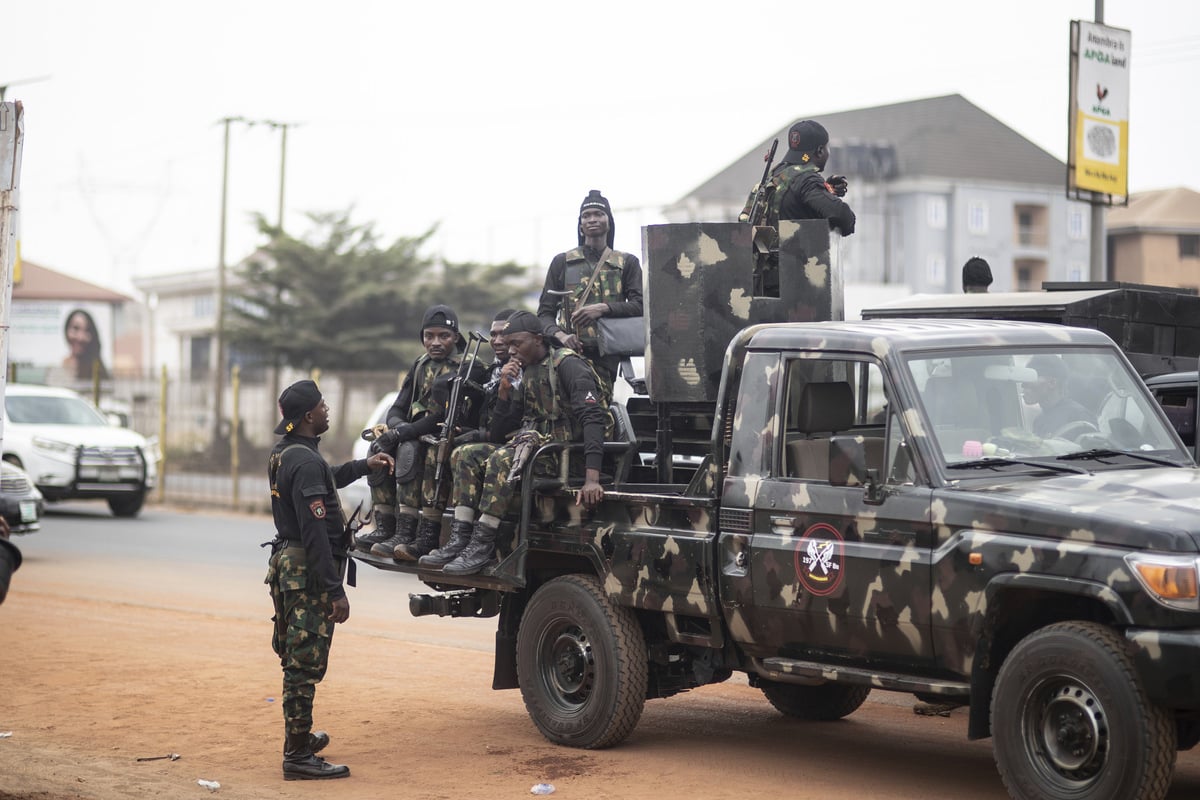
[(1097, 266), (219, 331)]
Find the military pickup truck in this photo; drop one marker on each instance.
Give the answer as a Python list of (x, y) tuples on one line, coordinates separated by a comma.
[(902, 505)]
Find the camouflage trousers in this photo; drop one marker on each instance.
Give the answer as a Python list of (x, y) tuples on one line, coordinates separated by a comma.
[(481, 477), (302, 636), (416, 493)]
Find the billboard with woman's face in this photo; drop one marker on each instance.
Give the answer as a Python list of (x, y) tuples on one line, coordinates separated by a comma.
[(60, 342)]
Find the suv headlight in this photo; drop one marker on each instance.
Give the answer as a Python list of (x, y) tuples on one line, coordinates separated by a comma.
[(53, 447), (1173, 581)]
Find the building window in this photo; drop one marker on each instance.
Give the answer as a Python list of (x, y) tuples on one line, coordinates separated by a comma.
[(1189, 246), (936, 211), (1075, 227), (977, 218), (204, 306), (1031, 226), (1028, 274), (935, 270), (1076, 271)]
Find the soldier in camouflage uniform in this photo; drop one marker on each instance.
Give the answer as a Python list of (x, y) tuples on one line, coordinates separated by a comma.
[(603, 283), (406, 527), (308, 557), (548, 394)]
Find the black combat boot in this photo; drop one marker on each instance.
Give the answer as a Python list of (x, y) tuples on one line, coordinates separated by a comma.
[(317, 741), (428, 533), (460, 537), (477, 554), (299, 763), (385, 526), (406, 533)]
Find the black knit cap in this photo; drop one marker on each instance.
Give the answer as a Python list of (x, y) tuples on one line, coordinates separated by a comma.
[(596, 200), (524, 322), (976, 272), (441, 317), (805, 137), (296, 401)]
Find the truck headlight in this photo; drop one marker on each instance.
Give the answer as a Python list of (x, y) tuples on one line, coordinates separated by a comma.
[(53, 447), (1173, 581)]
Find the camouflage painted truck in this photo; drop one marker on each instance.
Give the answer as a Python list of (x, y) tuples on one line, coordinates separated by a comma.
[(878, 507)]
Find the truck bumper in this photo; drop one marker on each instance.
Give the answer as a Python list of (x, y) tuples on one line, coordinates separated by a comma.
[(1169, 665)]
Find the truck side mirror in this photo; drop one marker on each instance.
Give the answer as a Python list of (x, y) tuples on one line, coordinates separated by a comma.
[(848, 465)]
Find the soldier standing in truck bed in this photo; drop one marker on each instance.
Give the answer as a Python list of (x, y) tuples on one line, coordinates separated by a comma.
[(602, 283)]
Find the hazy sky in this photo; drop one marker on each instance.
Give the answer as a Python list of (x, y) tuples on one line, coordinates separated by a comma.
[(495, 119)]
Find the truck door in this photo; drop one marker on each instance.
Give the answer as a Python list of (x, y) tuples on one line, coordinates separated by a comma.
[(838, 571)]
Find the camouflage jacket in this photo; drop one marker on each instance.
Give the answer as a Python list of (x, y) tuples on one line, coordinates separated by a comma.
[(414, 404), (559, 397), (618, 283)]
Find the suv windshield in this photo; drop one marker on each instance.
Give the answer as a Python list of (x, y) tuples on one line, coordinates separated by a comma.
[(51, 411), (1042, 404)]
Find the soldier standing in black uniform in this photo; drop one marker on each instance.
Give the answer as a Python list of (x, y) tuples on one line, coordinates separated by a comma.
[(308, 557), (800, 191)]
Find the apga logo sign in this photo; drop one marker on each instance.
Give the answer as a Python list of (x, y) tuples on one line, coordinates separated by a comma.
[(819, 556)]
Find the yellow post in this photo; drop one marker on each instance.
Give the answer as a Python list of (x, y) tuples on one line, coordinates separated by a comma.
[(162, 435), (236, 385)]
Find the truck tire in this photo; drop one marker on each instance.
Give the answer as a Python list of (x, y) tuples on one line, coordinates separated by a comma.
[(1071, 720), (127, 505), (581, 663), (823, 703)]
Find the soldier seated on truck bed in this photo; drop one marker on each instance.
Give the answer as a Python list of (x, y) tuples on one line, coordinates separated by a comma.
[(545, 394)]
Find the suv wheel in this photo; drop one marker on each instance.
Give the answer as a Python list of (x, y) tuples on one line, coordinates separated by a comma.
[(127, 505)]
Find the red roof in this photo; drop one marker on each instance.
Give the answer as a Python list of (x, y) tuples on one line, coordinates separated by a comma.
[(42, 283)]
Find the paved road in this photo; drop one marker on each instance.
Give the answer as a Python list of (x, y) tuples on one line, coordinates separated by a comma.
[(163, 620)]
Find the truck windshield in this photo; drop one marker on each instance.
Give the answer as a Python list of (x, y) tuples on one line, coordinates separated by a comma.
[(1041, 404)]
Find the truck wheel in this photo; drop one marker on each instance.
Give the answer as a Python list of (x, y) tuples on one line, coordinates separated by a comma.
[(581, 663), (1071, 720), (823, 703), (127, 505)]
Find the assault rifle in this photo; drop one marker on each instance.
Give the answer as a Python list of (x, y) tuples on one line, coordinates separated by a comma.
[(443, 443), (756, 208)]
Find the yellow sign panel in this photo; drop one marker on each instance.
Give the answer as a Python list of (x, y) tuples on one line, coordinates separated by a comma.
[(1099, 146)]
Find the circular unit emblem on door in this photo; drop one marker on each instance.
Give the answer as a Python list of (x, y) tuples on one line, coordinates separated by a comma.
[(819, 557)]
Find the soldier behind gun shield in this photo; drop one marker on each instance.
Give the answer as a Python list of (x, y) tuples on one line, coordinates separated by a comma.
[(402, 529), (795, 189)]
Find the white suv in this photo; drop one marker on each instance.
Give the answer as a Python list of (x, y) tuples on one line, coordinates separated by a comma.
[(71, 451)]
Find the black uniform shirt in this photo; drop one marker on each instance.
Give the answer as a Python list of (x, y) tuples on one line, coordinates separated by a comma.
[(630, 305), (808, 197), (304, 502)]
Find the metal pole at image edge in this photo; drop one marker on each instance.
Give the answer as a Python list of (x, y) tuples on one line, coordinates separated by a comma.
[(12, 137)]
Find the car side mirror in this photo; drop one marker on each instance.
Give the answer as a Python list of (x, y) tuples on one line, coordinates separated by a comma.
[(848, 465)]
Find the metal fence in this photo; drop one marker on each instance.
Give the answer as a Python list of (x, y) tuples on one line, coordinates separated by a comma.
[(204, 463)]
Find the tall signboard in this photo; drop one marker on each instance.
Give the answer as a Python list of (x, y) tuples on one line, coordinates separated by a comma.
[(1098, 146)]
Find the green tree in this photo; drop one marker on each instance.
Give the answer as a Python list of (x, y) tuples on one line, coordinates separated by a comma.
[(337, 299)]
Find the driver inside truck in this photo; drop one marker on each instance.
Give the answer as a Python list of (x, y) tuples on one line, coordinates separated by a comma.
[(1057, 412)]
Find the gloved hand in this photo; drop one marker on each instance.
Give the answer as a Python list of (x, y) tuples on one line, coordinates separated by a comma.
[(404, 431), (838, 184), (472, 436)]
